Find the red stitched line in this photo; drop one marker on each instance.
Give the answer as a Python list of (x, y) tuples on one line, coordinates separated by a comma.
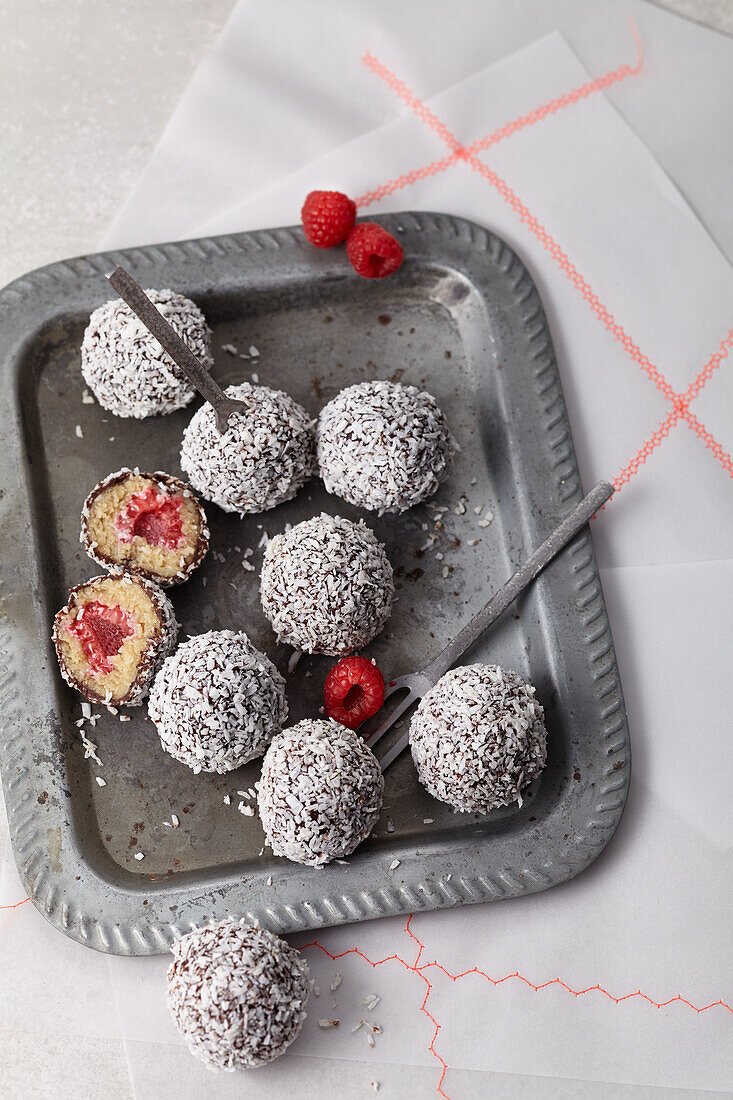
[(432, 169), (460, 151), (415, 970), (535, 227), (413, 102), (17, 904), (419, 970), (722, 456), (566, 265), (710, 367), (467, 154), (646, 449)]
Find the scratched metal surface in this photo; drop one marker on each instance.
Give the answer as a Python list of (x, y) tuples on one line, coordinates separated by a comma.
[(461, 318)]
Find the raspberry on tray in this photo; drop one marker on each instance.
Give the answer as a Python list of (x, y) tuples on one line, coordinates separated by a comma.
[(372, 251), (327, 217), (353, 691)]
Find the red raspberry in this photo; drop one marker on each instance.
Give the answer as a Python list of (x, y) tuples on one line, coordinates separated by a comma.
[(353, 691), (373, 251), (327, 217)]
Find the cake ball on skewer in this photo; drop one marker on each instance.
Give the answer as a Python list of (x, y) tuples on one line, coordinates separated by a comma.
[(112, 636), (327, 585), (320, 792), (383, 446), (264, 457), (126, 368), (148, 524), (237, 993), (478, 738), (217, 702)]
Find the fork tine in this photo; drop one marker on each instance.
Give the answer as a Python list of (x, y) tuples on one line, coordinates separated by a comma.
[(391, 754), (391, 686), (388, 722)]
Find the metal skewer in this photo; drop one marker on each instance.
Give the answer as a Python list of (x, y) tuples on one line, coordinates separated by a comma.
[(154, 321), (418, 684)]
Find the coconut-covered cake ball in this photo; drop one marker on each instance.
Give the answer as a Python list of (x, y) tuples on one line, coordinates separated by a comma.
[(478, 738), (112, 636), (320, 792), (326, 585), (263, 458), (126, 368), (383, 446), (237, 994), (148, 524), (217, 702)]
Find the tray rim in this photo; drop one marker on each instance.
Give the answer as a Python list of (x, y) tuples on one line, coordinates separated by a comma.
[(78, 907)]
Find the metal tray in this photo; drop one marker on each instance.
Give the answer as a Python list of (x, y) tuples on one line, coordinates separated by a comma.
[(461, 318)]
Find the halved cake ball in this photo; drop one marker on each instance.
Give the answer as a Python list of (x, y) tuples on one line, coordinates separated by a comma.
[(320, 792), (126, 368), (478, 738), (263, 458), (383, 446), (112, 636), (237, 994), (326, 585), (148, 524), (217, 702)]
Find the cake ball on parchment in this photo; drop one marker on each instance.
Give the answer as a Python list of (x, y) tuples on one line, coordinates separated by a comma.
[(126, 368), (478, 738), (383, 446), (148, 524), (320, 792), (326, 585), (262, 459), (237, 994), (112, 636), (217, 702)]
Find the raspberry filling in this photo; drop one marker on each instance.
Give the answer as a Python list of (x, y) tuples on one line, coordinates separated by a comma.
[(353, 691), (154, 517), (101, 630)]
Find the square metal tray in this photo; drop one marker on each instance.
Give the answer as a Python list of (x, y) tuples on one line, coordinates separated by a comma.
[(461, 318)]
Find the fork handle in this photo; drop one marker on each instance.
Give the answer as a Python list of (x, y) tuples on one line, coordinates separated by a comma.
[(543, 555), (154, 321)]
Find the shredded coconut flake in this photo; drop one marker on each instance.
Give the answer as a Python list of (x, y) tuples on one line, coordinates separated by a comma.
[(217, 702), (125, 366), (320, 793), (327, 585), (383, 446), (478, 738), (237, 993), (264, 457)]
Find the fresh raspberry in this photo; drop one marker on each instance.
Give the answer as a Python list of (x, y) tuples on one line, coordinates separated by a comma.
[(373, 251), (353, 691), (327, 217)]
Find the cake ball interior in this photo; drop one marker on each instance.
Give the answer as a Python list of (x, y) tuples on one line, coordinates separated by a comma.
[(104, 632), (137, 521)]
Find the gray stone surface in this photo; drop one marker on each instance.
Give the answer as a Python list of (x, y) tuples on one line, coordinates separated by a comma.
[(717, 15), (86, 89)]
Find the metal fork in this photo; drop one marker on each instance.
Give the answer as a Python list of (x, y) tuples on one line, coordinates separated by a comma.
[(154, 321), (418, 684)]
